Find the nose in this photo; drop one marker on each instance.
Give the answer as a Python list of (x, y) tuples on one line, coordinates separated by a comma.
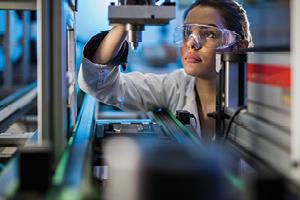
[(193, 42)]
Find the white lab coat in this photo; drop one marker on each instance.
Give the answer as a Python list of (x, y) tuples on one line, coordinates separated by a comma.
[(136, 91)]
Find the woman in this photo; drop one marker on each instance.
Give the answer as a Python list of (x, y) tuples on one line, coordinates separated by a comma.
[(209, 26)]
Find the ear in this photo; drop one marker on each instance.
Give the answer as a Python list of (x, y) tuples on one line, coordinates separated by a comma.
[(241, 45)]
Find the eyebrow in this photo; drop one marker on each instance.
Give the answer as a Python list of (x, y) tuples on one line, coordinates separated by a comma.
[(212, 25)]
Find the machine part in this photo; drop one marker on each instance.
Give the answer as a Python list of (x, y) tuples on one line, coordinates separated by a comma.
[(236, 113), (269, 87), (137, 14), (264, 130), (15, 103), (80, 145), (219, 114), (134, 34), (230, 94), (183, 116), (174, 128), (18, 5), (235, 72), (17, 139)]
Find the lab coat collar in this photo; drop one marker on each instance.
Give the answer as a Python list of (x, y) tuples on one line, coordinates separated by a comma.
[(191, 106)]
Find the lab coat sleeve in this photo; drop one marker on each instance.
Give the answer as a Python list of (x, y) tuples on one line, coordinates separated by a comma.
[(131, 91)]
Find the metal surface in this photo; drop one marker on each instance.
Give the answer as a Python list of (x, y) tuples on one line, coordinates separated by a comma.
[(295, 89), (43, 69), (72, 76), (58, 76), (227, 79), (26, 47), (17, 139), (81, 144), (52, 69), (263, 131), (12, 103), (135, 16), (134, 34), (268, 142), (18, 4), (235, 79), (175, 128), (279, 117), (277, 58)]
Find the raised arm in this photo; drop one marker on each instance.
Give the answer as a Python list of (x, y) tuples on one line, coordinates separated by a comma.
[(110, 45)]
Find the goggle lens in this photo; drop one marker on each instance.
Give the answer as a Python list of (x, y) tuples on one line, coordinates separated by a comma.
[(204, 35)]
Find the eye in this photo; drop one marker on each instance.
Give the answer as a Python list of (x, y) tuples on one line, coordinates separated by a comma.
[(210, 34)]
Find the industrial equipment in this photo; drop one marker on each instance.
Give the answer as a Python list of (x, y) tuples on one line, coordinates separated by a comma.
[(136, 14), (84, 154)]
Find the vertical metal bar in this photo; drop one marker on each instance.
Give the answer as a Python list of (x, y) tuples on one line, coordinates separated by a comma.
[(52, 63), (295, 89), (227, 79), (58, 79), (72, 98), (26, 47), (8, 79), (242, 90), (43, 69), (220, 102)]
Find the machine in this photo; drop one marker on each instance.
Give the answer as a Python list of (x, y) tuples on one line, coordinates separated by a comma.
[(136, 14), (79, 152)]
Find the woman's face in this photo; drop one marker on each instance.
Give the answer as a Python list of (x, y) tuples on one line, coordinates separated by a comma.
[(201, 62)]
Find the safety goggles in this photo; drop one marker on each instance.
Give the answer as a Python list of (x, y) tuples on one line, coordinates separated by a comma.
[(205, 35)]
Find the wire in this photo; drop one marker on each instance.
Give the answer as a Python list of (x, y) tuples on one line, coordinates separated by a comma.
[(236, 113)]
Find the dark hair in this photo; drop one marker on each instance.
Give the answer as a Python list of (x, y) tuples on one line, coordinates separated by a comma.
[(233, 14)]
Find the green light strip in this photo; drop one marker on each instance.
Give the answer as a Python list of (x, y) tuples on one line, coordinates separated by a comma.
[(235, 181), (60, 170), (62, 165)]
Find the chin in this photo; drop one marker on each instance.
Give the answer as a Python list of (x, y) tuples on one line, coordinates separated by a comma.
[(193, 70), (198, 72)]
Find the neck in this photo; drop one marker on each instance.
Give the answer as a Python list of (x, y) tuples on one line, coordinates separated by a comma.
[(206, 89)]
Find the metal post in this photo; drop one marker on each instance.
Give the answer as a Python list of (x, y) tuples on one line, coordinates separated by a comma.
[(52, 63), (58, 72), (26, 47), (43, 69), (220, 104), (8, 79), (72, 98), (295, 89)]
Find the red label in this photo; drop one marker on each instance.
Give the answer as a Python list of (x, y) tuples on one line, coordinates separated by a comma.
[(274, 75)]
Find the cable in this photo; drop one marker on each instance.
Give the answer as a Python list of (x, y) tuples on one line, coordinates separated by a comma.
[(236, 113)]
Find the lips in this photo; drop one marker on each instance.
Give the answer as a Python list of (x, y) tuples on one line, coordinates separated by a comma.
[(192, 58)]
